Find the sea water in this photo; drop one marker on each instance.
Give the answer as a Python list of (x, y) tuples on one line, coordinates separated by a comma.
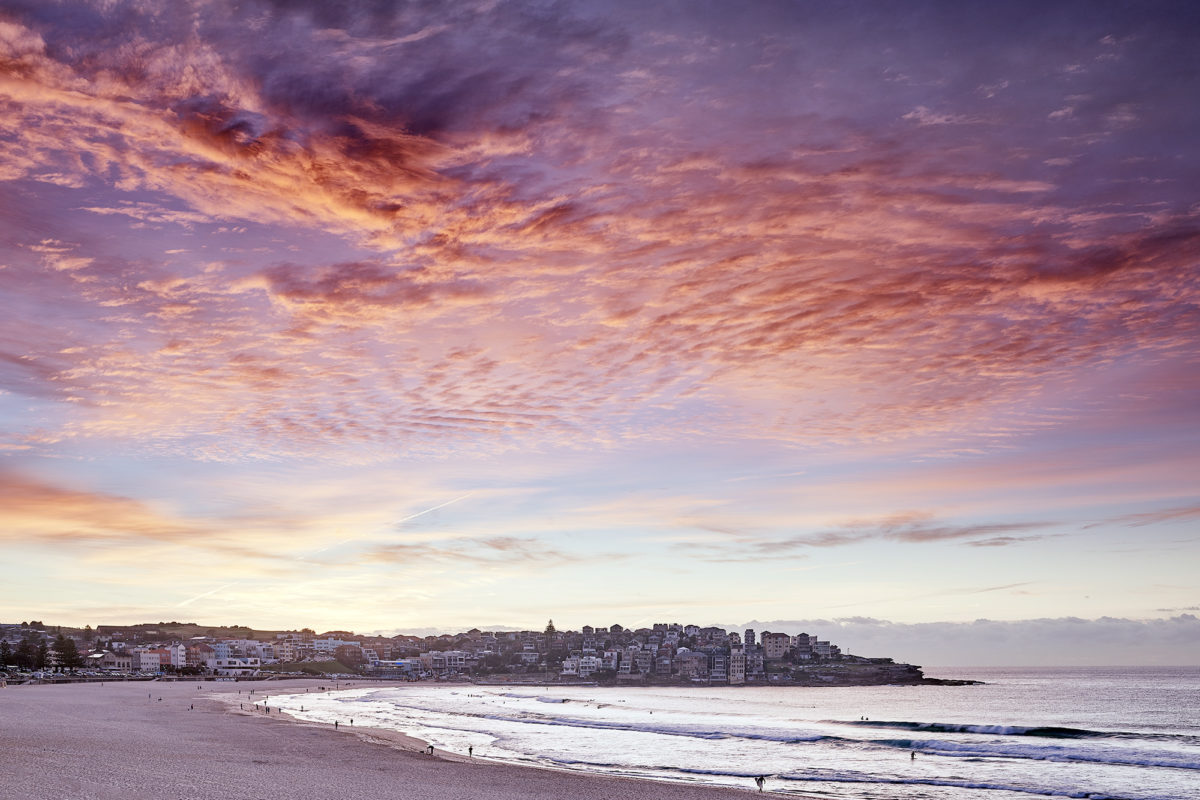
[(1128, 733)]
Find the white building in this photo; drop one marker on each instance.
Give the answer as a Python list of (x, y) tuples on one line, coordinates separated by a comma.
[(238, 665), (325, 647), (145, 660), (178, 655)]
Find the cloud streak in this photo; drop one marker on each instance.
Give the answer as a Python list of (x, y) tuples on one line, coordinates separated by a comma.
[(907, 528), (1107, 641)]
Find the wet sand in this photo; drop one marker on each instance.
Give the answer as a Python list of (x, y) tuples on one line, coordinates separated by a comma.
[(119, 740)]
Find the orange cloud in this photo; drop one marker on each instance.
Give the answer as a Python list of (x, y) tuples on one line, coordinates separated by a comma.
[(32, 511), (812, 282)]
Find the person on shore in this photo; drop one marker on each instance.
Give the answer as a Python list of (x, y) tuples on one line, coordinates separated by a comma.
[(913, 755), (430, 749), (335, 724), (760, 781), (470, 751)]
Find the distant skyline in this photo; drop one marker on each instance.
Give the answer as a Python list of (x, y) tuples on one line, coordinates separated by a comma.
[(1066, 641), (411, 315)]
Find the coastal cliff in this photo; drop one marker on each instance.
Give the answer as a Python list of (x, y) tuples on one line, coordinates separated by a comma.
[(852, 671), (873, 673)]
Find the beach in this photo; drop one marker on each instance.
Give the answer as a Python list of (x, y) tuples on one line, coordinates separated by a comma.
[(120, 740)]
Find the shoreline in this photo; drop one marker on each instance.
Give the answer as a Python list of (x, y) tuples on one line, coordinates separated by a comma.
[(394, 739), (188, 741)]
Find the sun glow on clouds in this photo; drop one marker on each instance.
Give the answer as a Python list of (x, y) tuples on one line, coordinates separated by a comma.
[(561, 258)]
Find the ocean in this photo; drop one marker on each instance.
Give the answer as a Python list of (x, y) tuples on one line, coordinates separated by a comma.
[(1121, 733)]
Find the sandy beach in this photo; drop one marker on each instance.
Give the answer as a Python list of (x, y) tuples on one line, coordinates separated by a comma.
[(120, 740)]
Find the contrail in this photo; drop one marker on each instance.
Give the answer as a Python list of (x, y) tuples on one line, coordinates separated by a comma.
[(435, 508), (191, 600), (398, 522)]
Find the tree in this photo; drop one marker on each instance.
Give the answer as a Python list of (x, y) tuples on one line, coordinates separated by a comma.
[(6, 654), (26, 655), (88, 633), (68, 653), (550, 628), (43, 655), (492, 662)]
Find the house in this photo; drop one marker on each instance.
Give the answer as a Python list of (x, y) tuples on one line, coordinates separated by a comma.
[(202, 656), (115, 662)]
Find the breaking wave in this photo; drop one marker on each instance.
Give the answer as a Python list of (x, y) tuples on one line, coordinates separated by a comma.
[(1038, 731)]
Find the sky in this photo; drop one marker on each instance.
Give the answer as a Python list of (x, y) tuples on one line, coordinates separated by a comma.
[(389, 316)]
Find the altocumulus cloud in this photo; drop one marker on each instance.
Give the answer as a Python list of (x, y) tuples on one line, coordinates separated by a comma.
[(648, 222)]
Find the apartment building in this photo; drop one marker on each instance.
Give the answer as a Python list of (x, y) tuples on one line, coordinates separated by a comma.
[(737, 667), (774, 645)]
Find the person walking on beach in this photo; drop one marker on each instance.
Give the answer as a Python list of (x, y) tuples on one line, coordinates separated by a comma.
[(761, 781), (430, 749), (470, 751)]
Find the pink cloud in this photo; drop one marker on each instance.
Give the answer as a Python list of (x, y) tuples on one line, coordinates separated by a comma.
[(604, 243)]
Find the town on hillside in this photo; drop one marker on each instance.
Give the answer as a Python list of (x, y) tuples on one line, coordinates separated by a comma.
[(666, 653)]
